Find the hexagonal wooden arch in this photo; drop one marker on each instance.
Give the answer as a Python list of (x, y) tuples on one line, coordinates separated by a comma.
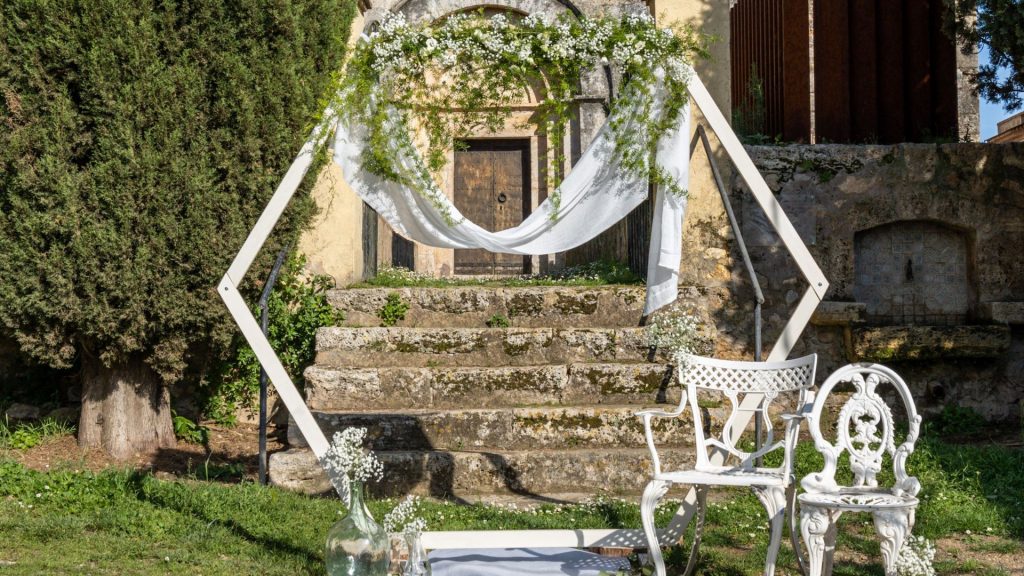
[(289, 394)]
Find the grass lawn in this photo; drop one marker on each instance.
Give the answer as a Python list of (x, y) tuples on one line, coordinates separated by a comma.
[(68, 521)]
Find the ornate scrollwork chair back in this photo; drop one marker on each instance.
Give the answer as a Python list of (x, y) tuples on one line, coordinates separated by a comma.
[(750, 388), (866, 431)]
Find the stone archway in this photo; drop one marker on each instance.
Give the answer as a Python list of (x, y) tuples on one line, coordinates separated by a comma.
[(596, 89)]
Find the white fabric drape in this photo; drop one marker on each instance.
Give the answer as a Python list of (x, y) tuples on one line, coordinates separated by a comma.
[(596, 194)]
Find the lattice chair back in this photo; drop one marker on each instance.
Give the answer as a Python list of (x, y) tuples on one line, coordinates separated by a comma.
[(865, 430), (750, 387)]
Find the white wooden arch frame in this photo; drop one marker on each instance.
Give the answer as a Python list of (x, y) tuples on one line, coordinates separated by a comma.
[(633, 538)]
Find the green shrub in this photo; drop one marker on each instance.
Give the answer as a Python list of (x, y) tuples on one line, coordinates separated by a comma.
[(189, 431), (139, 142), (393, 311), (297, 307)]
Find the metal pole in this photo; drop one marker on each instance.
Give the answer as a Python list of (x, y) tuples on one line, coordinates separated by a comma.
[(758, 295), (265, 326)]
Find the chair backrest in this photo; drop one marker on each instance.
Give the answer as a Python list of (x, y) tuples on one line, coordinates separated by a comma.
[(750, 387), (865, 430)]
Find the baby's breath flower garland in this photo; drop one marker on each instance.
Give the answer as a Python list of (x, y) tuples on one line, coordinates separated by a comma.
[(461, 78)]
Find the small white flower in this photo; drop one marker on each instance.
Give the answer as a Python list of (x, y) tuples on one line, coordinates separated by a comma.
[(346, 460)]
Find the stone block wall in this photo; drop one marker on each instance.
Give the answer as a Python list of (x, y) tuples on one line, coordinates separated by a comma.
[(922, 246)]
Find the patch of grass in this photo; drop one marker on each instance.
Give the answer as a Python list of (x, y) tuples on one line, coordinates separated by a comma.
[(955, 421), (594, 274), (25, 435), (997, 546), (969, 566), (498, 321), (120, 522)]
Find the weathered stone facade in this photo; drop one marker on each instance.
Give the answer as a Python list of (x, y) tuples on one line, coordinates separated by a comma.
[(884, 221), (337, 244)]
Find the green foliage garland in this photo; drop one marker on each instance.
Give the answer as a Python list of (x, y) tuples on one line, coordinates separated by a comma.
[(462, 77)]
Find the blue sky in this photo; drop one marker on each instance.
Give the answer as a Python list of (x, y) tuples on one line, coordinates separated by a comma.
[(991, 113)]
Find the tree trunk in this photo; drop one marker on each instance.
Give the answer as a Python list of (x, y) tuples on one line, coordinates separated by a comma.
[(126, 409)]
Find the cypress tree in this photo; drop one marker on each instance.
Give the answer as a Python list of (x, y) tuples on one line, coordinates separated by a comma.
[(139, 142)]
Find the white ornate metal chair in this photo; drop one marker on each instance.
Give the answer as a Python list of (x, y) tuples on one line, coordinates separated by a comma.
[(750, 387), (865, 430)]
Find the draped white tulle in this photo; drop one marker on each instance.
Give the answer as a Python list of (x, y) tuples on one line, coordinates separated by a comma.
[(596, 194)]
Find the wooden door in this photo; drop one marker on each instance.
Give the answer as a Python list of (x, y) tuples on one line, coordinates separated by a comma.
[(492, 189)]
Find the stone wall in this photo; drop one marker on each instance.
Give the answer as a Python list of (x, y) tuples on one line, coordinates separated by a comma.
[(888, 225)]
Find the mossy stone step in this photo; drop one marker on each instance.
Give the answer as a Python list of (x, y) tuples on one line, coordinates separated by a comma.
[(422, 347), (456, 474), (473, 306), (527, 428), (483, 387)]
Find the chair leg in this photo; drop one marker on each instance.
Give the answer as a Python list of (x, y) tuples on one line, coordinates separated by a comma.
[(774, 500), (794, 531), (815, 525), (892, 527), (698, 530), (830, 543), (653, 493)]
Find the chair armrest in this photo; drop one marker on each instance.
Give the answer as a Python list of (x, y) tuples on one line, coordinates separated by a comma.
[(649, 414)]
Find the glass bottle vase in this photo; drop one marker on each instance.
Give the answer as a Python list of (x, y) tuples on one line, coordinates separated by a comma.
[(356, 545), (417, 565)]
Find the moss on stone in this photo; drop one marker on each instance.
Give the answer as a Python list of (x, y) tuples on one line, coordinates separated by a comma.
[(576, 303), (565, 421), (525, 305), (377, 346), (516, 349)]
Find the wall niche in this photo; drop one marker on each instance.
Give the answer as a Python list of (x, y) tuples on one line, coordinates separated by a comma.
[(914, 272)]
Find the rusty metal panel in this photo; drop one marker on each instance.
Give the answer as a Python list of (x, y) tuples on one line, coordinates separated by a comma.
[(891, 107), (863, 71), (796, 85), (945, 105), (917, 72), (762, 69), (832, 70)]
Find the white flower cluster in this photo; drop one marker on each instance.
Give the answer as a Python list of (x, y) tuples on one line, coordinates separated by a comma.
[(677, 332), (403, 517), (915, 558), (460, 35), (347, 461), (480, 67)]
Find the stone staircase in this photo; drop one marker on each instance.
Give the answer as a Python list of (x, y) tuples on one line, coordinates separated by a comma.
[(457, 409)]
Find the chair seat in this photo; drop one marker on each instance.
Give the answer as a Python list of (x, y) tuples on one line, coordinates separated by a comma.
[(856, 500), (727, 476)]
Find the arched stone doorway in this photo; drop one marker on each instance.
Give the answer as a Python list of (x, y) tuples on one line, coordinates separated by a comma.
[(498, 178)]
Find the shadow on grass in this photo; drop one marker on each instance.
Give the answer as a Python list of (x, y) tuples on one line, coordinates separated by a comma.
[(212, 512)]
